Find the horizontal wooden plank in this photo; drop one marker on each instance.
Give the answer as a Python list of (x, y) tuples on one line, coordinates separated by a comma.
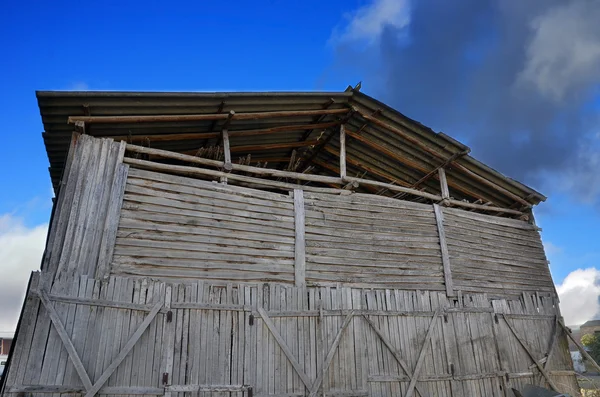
[(227, 231), (399, 230), (186, 181), (206, 197), (369, 199), (184, 273), (198, 213), (218, 250), (375, 268), (512, 223), (399, 235), (383, 220), (204, 222), (197, 258), (405, 262), (372, 246), (230, 241)]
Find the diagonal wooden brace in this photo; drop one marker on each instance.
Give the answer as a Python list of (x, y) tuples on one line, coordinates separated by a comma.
[(530, 354), (315, 387), (395, 353), (413, 381), (64, 337), (305, 379)]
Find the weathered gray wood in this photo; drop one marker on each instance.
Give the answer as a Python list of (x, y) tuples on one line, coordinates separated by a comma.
[(226, 150), (530, 354), (125, 351), (111, 221), (325, 366), (443, 184), (419, 365), (342, 151), (195, 171), (395, 353), (62, 333), (62, 389), (299, 250), (439, 217), (282, 344)]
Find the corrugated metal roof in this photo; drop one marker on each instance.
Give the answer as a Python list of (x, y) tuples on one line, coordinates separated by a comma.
[(383, 144)]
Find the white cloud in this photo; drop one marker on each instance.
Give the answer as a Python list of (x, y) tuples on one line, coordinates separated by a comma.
[(79, 86), (552, 249), (564, 54), (579, 296), (368, 22), (21, 250)]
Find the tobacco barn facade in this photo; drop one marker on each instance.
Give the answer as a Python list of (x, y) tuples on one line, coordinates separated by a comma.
[(280, 244)]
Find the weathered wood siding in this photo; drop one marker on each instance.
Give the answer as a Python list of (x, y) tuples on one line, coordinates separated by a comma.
[(84, 222), (360, 239), (495, 255), (185, 228), (283, 340)]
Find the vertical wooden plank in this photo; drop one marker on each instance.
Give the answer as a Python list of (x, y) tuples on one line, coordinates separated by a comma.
[(342, 151), (169, 339), (300, 246), (23, 338), (439, 218), (226, 150), (443, 184), (111, 223)]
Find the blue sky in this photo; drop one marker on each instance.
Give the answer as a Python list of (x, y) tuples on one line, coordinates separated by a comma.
[(449, 75)]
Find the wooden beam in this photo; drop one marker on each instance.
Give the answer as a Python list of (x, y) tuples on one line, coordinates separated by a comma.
[(196, 171), (530, 354), (417, 142), (235, 167), (64, 337), (342, 151), (374, 171), (419, 365), (299, 243), (443, 184), (125, 351), (439, 218), (282, 344), (449, 161), (329, 358), (582, 350), (394, 352), (396, 188), (226, 150), (202, 117), (210, 135), (269, 146)]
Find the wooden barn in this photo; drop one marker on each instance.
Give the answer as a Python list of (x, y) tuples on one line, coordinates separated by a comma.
[(280, 244)]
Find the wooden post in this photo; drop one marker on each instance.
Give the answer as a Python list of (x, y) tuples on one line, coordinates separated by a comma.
[(580, 347), (342, 151), (444, 184), (299, 251), (227, 151), (439, 218)]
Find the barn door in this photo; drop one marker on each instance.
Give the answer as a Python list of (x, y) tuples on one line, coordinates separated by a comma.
[(311, 351)]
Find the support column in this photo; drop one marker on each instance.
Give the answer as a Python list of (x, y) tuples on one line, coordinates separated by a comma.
[(299, 251), (342, 151), (439, 218)]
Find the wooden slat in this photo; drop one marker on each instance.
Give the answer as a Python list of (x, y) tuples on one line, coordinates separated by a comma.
[(299, 250), (439, 217), (64, 337)]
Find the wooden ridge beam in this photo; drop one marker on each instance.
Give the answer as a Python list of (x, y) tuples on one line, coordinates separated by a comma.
[(201, 117)]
